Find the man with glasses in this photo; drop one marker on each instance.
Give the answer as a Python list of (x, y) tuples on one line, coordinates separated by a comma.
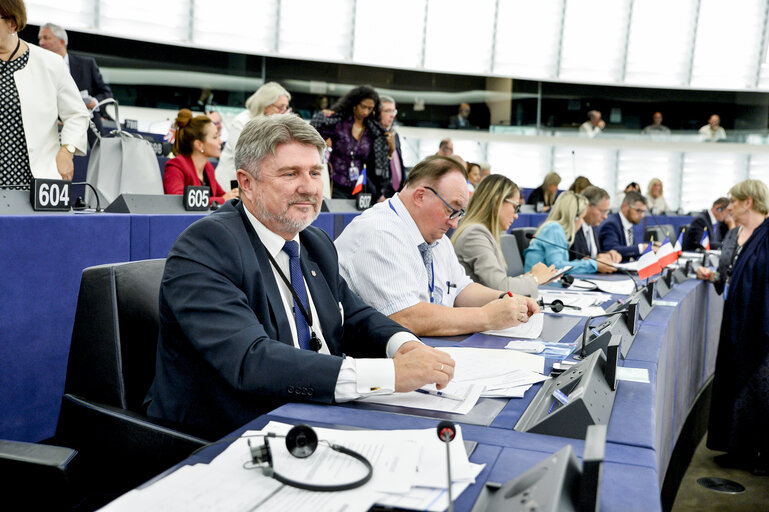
[(717, 221), (586, 238), (397, 257), (616, 233), (397, 170)]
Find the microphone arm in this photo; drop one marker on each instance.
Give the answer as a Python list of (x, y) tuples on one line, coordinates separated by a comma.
[(446, 433), (587, 326), (531, 236)]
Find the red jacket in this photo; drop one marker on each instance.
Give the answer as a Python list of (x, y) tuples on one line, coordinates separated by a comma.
[(180, 172)]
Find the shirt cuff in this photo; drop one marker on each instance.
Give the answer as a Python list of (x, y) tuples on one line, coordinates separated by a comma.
[(398, 339), (364, 377)]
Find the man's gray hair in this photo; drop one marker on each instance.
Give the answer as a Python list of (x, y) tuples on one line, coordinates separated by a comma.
[(595, 194), (633, 197), (386, 99), (262, 135), (57, 31)]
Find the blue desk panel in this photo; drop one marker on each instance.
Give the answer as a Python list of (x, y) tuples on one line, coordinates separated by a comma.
[(42, 258)]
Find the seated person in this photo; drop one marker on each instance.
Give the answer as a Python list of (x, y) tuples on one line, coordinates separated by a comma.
[(397, 257), (586, 238), (654, 198), (545, 193), (196, 141), (253, 311), (551, 242), (717, 221), (616, 233), (491, 211)]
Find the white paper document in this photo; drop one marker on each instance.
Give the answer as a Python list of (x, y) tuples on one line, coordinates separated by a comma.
[(531, 329), (633, 374), (429, 498), (589, 304), (480, 364), (468, 392), (624, 286)]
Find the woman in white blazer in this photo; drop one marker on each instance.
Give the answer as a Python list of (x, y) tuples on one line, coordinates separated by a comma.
[(36, 90)]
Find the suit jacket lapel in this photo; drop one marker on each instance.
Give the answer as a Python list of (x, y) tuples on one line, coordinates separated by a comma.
[(325, 304), (274, 299)]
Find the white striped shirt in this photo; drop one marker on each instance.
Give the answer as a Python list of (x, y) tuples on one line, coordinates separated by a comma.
[(379, 258)]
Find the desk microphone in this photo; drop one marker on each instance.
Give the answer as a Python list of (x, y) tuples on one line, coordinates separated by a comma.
[(631, 310), (95, 193), (446, 433), (531, 236), (654, 218)]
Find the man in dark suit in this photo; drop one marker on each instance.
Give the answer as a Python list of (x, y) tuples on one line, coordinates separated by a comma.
[(461, 121), (253, 311), (616, 232), (83, 69), (397, 170), (586, 238), (715, 220)]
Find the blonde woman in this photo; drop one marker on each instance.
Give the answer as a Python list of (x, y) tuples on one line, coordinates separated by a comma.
[(657, 203), (491, 211), (547, 192), (557, 234), (269, 99)]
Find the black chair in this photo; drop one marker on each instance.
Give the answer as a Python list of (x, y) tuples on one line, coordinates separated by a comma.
[(520, 237), (513, 258), (110, 369)]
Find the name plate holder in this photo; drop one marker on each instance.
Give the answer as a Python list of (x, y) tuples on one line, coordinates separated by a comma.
[(46, 195), (197, 199)]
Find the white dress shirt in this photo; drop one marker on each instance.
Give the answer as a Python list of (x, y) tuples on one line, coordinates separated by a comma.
[(357, 377), (627, 225), (379, 258), (588, 231)]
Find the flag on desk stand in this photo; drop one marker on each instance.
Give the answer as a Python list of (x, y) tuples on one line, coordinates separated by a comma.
[(361, 182), (648, 265), (680, 243), (705, 242), (666, 254)]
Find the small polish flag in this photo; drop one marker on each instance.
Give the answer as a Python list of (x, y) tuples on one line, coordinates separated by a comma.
[(361, 182), (666, 254), (648, 265), (680, 242), (705, 242)]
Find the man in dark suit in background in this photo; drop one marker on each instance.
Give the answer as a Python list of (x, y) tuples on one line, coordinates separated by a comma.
[(83, 69), (586, 238), (397, 169), (716, 220), (239, 337), (616, 233)]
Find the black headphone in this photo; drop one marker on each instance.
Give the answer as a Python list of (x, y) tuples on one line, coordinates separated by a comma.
[(301, 442), (556, 306)]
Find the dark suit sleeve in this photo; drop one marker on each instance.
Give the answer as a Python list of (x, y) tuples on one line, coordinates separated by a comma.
[(578, 248), (610, 237), (205, 304), (99, 88)]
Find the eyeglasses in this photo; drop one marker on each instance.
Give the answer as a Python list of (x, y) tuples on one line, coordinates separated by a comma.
[(454, 214), (280, 108), (517, 205)]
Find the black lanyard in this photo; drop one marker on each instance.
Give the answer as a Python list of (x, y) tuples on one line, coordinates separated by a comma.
[(18, 43), (315, 343)]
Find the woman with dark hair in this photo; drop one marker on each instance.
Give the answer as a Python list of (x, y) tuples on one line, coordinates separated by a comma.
[(357, 141), (196, 141)]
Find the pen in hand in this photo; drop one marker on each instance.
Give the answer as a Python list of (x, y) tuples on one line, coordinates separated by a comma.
[(440, 394)]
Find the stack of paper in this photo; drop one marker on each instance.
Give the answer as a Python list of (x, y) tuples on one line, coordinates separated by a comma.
[(409, 468), (623, 286), (458, 398)]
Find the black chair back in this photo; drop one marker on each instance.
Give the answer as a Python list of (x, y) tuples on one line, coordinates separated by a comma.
[(520, 237)]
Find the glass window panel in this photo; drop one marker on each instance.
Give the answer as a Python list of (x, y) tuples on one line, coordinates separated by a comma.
[(459, 38), (389, 34), (316, 30), (597, 165), (660, 41), (642, 166), (73, 14), (253, 30), (594, 40), (168, 22), (708, 176), (525, 164), (759, 168), (520, 24), (728, 42)]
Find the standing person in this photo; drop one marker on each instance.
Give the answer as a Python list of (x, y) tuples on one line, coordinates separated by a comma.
[(253, 311), (713, 131), (196, 141), (491, 211), (656, 128), (654, 198), (397, 169), (739, 411), (84, 71), (357, 141), (593, 126), (554, 237), (717, 221), (37, 92), (269, 99), (545, 193)]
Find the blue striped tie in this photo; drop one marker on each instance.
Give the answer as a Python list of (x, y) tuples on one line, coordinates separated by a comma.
[(297, 282)]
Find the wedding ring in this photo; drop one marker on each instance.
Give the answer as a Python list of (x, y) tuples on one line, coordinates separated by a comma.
[(441, 368)]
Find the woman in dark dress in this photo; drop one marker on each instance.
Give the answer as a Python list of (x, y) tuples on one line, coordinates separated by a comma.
[(545, 193), (357, 140), (739, 412)]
